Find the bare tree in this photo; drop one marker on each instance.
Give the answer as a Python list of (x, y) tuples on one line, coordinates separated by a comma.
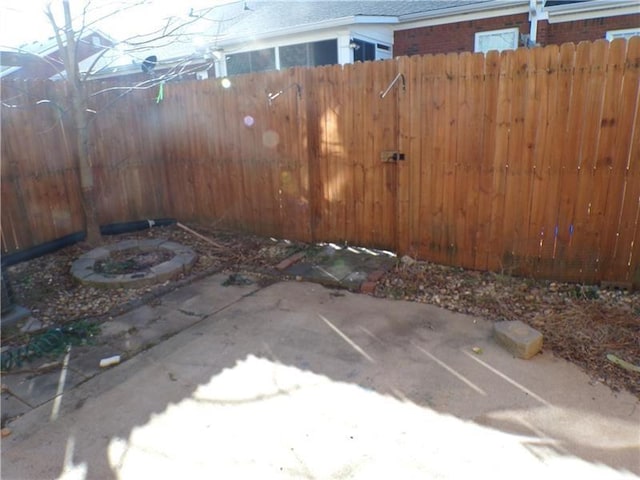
[(66, 40), (68, 32)]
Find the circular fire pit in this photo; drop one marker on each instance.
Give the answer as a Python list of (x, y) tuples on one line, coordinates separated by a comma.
[(139, 263)]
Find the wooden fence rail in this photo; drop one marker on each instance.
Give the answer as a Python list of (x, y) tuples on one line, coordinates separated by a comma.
[(526, 161)]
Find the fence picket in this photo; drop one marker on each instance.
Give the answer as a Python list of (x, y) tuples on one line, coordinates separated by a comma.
[(525, 161)]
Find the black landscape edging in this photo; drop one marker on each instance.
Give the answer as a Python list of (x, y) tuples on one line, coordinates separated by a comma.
[(59, 243)]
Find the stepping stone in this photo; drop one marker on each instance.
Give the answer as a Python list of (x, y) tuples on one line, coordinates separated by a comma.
[(518, 338)]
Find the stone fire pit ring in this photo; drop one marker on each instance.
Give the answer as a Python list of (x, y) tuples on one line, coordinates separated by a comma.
[(83, 268)]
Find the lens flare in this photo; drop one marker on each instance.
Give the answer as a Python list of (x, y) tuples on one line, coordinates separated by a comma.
[(270, 139)]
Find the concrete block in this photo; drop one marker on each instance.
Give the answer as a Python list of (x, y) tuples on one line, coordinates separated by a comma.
[(103, 281), (83, 264), (15, 315), (170, 266), (31, 325), (96, 254), (151, 244), (186, 259), (123, 245), (518, 338), (176, 247)]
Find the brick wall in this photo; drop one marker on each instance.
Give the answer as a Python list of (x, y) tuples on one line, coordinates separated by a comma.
[(592, 29), (455, 37), (460, 37)]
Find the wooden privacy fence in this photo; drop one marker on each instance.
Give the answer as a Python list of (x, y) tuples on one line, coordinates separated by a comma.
[(526, 162)]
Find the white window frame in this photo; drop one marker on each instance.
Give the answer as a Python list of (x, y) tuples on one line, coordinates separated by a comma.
[(384, 51), (625, 33), (488, 33)]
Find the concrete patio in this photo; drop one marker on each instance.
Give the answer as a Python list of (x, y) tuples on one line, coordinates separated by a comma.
[(296, 380)]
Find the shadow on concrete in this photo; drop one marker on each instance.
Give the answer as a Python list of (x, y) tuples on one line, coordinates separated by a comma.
[(294, 381)]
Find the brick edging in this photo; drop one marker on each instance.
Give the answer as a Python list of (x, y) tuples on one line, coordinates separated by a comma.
[(287, 262), (369, 285)]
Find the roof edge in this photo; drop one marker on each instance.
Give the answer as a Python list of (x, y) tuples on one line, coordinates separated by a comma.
[(591, 9), (307, 27), (492, 5)]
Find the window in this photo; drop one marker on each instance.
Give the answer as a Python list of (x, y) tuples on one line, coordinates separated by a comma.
[(254, 61), (627, 33), (363, 51), (506, 39), (313, 54)]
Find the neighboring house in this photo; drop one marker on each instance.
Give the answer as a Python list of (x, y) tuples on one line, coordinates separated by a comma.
[(105, 58), (269, 35), (509, 24), (43, 59), (252, 36), (261, 35)]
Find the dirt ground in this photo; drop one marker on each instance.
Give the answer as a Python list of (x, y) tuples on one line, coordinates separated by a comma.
[(582, 324)]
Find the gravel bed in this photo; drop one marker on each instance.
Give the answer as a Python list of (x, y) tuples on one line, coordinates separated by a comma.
[(582, 324)]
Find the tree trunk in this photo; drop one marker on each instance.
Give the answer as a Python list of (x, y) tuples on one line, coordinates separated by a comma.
[(85, 167), (81, 127)]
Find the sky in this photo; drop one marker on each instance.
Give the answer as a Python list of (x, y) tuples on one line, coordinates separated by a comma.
[(24, 21)]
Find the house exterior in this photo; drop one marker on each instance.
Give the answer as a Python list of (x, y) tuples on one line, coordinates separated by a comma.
[(43, 59), (267, 35), (260, 35), (509, 24)]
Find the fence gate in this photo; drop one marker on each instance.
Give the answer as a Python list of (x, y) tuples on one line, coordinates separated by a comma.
[(440, 135), (352, 135)]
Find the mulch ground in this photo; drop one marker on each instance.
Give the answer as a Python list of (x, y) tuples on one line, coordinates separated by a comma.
[(582, 324)]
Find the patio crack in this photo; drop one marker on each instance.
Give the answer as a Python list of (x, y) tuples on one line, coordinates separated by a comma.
[(192, 314)]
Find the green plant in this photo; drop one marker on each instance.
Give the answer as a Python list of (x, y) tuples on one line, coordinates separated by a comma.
[(53, 341), (585, 292)]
